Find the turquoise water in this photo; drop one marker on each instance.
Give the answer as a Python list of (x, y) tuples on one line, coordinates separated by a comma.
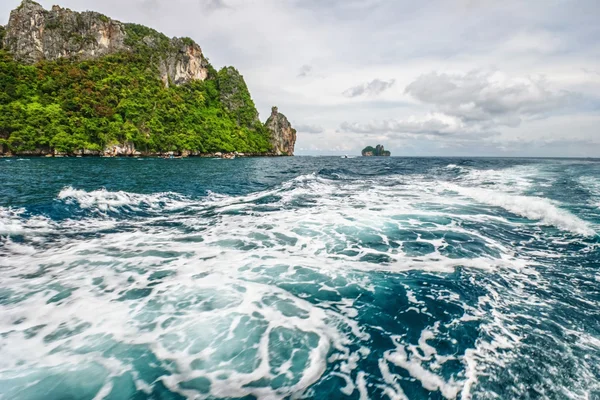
[(299, 277)]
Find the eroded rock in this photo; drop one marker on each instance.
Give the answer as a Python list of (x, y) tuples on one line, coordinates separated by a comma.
[(283, 136)]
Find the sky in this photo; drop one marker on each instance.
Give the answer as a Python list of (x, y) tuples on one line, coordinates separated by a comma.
[(422, 78)]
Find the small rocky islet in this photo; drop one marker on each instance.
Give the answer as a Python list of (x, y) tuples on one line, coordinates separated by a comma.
[(378, 151), (83, 84)]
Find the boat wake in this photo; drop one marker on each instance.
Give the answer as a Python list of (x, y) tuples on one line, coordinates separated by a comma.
[(405, 286)]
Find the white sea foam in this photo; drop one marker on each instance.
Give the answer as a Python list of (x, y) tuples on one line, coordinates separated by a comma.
[(511, 180), (592, 184), (534, 208), (420, 366), (215, 290), (104, 200), (12, 222)]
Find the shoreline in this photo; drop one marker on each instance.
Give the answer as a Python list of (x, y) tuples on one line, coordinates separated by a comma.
[(225, 156)]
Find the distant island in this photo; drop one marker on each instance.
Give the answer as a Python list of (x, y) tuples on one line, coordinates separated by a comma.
[(378, 151), (83, 84)]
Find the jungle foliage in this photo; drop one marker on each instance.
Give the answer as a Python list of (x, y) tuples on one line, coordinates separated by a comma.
[(69, 105)]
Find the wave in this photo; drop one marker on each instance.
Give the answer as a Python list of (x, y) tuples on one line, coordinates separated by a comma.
[(104, 201), (512, 180), (273, 293), (534, 208), (592, 186), (13, 222)]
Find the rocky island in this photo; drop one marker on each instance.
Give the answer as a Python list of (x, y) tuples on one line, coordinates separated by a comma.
[(378, 151), (81, 83)]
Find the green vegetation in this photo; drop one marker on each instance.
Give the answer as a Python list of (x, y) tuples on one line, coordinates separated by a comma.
[(378, 151), (235, 96), (70, 105), (369, 149), (146, 41), (2, 35)]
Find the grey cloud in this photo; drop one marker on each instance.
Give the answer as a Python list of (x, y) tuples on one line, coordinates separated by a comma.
[(214, 5), (478, 98), (431, 126), (309, 128), (305, 71), (150, 5), (590, 71), (372, 88)]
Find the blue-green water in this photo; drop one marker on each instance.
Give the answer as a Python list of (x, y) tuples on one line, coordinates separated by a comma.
[(299, 277)]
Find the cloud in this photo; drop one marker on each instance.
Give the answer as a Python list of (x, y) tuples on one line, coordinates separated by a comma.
[(213, 5), (305, 71), (437, 125), (150, 5), (309, 128), (474, 104), (591, 71), (488, 99), (372, 88), (352, 42)]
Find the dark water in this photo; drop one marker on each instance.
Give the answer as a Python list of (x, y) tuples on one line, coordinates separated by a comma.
[(299, 277)]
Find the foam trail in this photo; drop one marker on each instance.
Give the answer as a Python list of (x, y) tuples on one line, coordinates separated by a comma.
[(324, 285), (535, 208), (104, 200)]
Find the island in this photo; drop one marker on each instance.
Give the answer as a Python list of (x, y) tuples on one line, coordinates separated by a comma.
[(378, 151), (83, 84)]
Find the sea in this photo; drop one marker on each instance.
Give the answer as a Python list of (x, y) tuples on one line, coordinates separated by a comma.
[(299, 278)]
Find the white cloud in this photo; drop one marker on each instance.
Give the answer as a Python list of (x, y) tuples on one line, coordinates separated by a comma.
[(308, 128), (430, 125), (488, 99)]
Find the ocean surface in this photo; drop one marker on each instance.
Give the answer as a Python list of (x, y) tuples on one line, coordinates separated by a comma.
[(325, 278)]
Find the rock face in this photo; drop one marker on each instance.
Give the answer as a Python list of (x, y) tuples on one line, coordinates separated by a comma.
[(126, 149), (34, 34), (283, 136), (184, 63), (235, 96), (378, 151)]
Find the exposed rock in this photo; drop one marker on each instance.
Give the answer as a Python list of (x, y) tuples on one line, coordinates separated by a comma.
[(235, 96), (183, 63), (283, 136), (121, 150), (88, 152), (34, 34), (35, 153), (378, 151)]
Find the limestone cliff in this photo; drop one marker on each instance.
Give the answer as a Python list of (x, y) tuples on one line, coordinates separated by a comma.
[(34, 34), (184, 63), (283, 136), (82, 84), (235, 96)]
